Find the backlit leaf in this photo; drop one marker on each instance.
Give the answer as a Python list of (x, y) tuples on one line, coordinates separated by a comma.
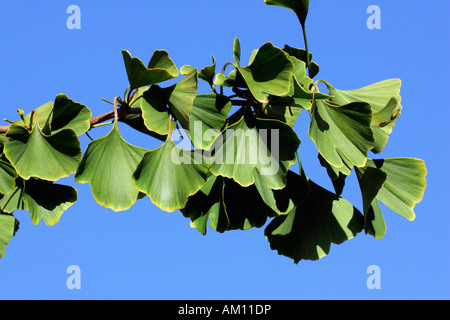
[(207, 118), (342, 130), (160, 68), (254, 144), (385, 101), (404, 186), (169, 175), (48, 157), (108, 165)]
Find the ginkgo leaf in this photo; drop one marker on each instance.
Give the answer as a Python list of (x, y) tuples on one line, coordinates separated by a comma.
[(160, 68), (234, 79), (308, 231), (47, 201), (253, 143), (385, 101), (404, 186), (301, 54), (108, 165), (48, 157), (70, 114), (155, 112), (207, 118), (300, 7), (169, 175), (207, 205), (208, 73), (299, 74), (342, 130), (269, 72), (181, 97), (224, 203), (241, 213), (178, 100), (43, 199), (284, 201), (61, 114), (8, 228)]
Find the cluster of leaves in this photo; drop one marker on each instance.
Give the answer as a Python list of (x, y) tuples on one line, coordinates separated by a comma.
[(224, 178)]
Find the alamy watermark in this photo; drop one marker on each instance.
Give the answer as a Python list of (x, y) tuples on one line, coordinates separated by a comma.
[(374, 280), (374, 20), (74, 280), (74, 20)]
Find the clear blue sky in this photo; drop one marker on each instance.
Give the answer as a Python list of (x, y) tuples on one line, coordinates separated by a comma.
[(144, 253)]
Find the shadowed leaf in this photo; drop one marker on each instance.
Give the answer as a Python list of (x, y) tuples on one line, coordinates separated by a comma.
[(308, 231)]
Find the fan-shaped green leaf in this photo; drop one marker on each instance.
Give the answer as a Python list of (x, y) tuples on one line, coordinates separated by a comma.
[(43, 199), (48, 201), (301, 55), (61, 114), (385, 101), (207, 118), (169, 175), (308, 231), (108, 165), (155, 112), (181, 97), (160, 68), (342, 130), (253, 143), (269, 72), (70, 114), (404, 186), (156, 103), (48, 157)]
